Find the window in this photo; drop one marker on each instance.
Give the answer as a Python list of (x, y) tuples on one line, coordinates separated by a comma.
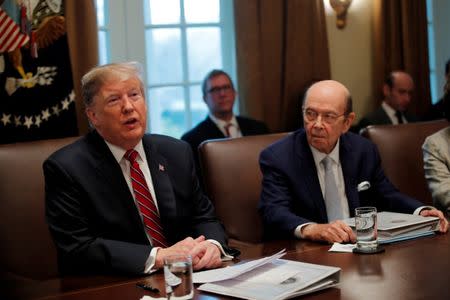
[(177, 42), (431, 53), (438, 45), (103, 33)]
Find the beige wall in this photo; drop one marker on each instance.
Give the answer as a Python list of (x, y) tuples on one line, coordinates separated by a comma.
[(351, 53)]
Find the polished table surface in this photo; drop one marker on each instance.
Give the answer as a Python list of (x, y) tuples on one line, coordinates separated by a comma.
[(415, 269)]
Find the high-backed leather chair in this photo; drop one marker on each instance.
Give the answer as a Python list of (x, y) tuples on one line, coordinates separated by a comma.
[(27, 251), (232, 180), (400, 148)]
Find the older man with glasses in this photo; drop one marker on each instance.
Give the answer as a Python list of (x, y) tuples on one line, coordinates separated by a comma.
[(317, 176)]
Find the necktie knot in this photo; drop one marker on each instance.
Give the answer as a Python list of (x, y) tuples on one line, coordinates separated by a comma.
[(131, 155), (326, 161)]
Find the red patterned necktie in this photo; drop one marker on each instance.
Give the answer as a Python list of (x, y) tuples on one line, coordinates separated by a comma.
[(145, 202)]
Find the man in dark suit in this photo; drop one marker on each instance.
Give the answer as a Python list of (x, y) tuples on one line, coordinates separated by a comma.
[(317, 176), (119, 200), (219, 95), (397, 89)]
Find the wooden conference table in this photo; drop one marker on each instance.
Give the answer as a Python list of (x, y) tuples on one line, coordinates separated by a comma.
[(415, 269)]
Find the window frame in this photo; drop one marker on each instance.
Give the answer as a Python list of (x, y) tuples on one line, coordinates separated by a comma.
[(126, 37)]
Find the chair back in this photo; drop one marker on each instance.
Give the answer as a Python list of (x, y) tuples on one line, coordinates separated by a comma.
[(400, 148), (27, 250), (232, 179)]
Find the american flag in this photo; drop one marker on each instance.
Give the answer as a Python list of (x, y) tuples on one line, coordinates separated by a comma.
[(10, 36)]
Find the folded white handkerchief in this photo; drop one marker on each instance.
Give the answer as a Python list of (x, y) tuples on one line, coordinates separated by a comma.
[(363, 186)]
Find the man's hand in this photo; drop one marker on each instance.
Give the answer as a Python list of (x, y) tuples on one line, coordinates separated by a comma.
[(182, 247), (336, 231), (204, 254), (443, 223)]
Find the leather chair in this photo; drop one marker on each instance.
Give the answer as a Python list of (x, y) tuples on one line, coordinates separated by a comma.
[(27, 250), (400, 148), (232, 180)]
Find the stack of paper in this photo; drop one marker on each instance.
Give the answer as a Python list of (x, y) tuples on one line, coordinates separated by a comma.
[(393, 227), (268, 278)]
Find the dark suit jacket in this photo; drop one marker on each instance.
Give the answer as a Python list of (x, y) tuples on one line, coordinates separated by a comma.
[(291, 193), (379, 117), (93, 218)]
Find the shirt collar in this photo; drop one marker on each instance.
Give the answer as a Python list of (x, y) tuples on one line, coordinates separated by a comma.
[(221, 123), (118, 152), (388, 109), (319, 156)]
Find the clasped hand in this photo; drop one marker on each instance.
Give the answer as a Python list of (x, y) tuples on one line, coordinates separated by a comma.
[(205, 255)]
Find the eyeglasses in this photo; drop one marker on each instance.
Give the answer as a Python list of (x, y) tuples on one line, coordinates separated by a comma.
[(217, 89), (311, 115)]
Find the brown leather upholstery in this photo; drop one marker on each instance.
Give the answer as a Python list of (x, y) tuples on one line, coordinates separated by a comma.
[(400, 148), (27, 251), (233, 182)]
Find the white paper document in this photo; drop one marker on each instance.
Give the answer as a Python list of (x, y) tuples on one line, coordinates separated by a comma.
[(276, 280), (338, 247), (233, 271)]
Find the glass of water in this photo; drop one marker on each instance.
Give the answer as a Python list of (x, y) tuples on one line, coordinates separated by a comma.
[(178, 277), (366, 228)]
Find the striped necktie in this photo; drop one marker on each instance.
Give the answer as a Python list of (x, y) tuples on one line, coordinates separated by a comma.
[(144, 199)]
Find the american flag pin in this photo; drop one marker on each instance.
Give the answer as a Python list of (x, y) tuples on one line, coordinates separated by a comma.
[(161, 168)]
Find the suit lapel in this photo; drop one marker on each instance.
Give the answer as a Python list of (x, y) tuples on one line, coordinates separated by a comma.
[(211, 127), (110, 173), (348, 165), (308, 168)]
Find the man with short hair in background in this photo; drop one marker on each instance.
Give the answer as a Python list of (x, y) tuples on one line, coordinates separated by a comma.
[(219, 95), (398, 89)]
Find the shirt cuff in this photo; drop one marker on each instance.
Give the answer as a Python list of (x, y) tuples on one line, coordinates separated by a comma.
[(150, 263), (420, 208), (224, 256), (298, 230)]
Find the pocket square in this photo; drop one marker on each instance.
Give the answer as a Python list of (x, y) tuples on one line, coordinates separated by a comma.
[(363, 186)]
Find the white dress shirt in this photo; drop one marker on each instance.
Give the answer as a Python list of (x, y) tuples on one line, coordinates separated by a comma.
[(235, 130), (391, 113)]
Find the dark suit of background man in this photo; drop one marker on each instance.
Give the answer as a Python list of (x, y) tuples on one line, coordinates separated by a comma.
[(294, 178), (219, 95), (91, 208), (397, 89)]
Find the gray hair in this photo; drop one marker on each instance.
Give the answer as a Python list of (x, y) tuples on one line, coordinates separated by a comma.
[(93, 80)]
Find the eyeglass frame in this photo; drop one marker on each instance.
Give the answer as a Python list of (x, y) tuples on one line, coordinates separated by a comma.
[(217, 89), (323, 116)]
